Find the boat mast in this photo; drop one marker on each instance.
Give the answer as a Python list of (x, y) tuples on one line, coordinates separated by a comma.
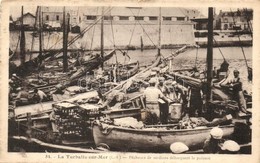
[(102, 36), (209, 56), (159, 24), (40, 34), (22, 40), (65, 42)]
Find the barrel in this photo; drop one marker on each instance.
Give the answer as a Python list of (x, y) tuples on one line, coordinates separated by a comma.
[(176, 111)]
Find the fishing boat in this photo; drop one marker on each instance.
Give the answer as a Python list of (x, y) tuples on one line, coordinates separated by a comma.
[(156, 139)]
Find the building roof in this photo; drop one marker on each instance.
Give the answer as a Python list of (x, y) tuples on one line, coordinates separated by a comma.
[(52, 9), (26, 15), (135, 11)]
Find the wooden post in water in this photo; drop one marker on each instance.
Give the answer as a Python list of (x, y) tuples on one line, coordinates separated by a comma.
[(65, 42), (102, 37), (22, 40), (209, 56)]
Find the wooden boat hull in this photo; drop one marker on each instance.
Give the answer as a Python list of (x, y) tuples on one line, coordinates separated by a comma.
[(129, 73), (127, 139), (22, 144)]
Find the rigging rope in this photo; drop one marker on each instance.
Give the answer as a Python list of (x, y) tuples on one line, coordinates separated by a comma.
[(133, 31), (143, 29), (113, 36), (112, 30), (219, 48), (92, 39), (48, 39), (249, 69)]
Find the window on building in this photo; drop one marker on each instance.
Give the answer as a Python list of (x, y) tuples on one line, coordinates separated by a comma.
[(153, 18), (225, 20), (108, 18), (167, 18), (139, 18), (180, 18), (230, 25), (123, 18), (57, 17), (91, 17), (47, 18)]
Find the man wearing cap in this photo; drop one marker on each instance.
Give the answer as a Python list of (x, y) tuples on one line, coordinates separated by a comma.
[(230, 147), (178, 148), (152, 94), (212, 143)]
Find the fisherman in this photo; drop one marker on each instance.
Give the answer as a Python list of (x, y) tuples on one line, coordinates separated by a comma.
[(15, 82), (180, 95), (212, 143), (161, 86), (195, 102), (39, 95), (222, 70), (22, 96), (152, 94), (164, 106), (178, 148), (236, 86), (230, 147)]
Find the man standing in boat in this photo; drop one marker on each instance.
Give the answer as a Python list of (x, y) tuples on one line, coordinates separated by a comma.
[(152, 94), (237, 90), (164, 107)]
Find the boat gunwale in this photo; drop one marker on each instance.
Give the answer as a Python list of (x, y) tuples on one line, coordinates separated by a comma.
[(156, 131)]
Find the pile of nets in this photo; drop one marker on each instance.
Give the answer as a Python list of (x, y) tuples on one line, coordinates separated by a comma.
[(128, 122)]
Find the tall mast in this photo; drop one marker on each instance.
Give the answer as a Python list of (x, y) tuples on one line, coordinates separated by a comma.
[(102, 36), (40, 34), (22, 41), (209, 55), (65, 42), (160, 25), (34, 26)]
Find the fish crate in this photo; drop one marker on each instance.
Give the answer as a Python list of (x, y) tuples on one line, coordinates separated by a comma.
[(71, 128), (66, 110), (89, 110), (72, 134)]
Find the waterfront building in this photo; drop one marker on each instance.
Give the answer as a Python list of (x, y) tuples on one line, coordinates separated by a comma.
[(235, 20), (28, 20)]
